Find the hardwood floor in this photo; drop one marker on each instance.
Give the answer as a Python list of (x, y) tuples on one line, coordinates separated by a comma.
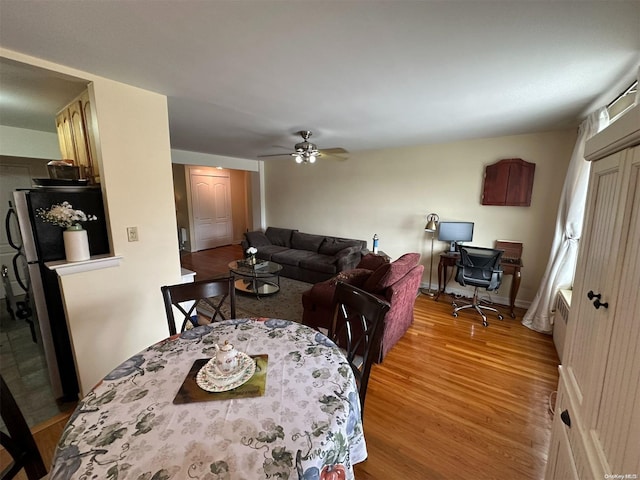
[(452, 399)]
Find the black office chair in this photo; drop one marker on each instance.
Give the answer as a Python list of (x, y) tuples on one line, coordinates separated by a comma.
[(480, 268), (197, 294), (19, 443), (357, 327)]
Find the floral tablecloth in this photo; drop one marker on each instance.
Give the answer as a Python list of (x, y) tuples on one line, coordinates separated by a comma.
[(307, 426)]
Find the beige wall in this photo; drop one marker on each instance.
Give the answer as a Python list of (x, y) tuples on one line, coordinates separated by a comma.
[(390, 192), (116, 312)]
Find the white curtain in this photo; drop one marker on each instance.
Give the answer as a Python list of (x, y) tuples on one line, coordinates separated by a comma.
[(564, 250)]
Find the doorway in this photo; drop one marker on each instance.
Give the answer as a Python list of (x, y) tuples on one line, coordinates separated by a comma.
[(211, 209)]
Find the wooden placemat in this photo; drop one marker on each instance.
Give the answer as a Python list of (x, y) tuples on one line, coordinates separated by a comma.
[(190, 392)]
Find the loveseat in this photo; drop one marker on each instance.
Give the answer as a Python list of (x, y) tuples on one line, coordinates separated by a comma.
[(396, 282), (304, 256)]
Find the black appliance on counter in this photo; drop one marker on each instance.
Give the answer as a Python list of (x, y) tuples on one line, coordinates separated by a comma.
[(43, 242)]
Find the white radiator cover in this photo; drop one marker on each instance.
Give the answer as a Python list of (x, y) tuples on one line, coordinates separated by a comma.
[(561, 316)]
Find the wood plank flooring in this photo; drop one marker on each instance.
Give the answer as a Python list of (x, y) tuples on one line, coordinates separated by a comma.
[(452, 399)]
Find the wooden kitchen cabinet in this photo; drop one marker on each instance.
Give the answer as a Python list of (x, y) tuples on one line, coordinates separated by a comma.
[(596, 430), (76, 136)]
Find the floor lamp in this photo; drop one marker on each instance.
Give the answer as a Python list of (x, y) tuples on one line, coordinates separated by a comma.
[(431, 227)]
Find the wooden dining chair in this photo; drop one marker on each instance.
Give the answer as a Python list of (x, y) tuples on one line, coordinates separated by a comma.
[(19, 443), (357, 326), (187, 296)]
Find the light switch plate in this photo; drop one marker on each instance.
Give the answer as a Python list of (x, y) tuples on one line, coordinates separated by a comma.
[(132, 234)]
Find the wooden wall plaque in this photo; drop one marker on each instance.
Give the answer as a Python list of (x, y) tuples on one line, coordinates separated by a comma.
[(508, 182)]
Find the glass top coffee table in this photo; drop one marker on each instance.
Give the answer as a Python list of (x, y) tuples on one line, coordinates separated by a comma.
[(261, 279)]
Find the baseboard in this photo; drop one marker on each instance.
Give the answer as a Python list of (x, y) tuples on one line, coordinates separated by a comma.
[(460, 291)]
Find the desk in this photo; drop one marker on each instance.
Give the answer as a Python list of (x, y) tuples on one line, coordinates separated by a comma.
[(449, 259), (306, 425)]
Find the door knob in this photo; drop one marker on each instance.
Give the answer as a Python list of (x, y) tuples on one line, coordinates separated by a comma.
[(566, 419), (592, 295), (599, 304)]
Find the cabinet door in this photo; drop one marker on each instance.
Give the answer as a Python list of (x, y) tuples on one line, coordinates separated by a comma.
[(615, 424), (599, 250), (65, 136), (90, 135), (79, 138)]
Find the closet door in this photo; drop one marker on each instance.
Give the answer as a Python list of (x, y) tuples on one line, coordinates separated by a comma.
[(614, 426), (599, 251)]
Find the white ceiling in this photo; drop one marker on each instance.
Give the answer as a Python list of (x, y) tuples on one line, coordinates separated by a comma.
[(243, 76)]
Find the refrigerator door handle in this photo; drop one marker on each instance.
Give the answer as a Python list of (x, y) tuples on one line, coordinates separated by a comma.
[(28, 240)]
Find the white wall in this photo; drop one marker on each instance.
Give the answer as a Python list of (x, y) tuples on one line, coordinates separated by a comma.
[(22, 142), (116, 312), (390, 192)]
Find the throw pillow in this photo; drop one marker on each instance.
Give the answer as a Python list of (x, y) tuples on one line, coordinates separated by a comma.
[(257, 239), (394, 271), (332, 245), (279, 236), (372, 284), (306, 241), (356, 277), (371, 261)]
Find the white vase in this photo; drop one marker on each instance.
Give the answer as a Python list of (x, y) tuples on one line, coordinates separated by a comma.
[(76, 244)]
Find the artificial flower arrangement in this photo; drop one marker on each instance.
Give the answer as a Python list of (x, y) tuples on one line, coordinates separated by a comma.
[(251, 255), (64, 215)]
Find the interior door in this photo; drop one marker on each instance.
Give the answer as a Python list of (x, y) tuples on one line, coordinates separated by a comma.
[(211, 203)]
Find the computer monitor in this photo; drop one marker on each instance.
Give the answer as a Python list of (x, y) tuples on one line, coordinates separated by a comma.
[(455, 232)]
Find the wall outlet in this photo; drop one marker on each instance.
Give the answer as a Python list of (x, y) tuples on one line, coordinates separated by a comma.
[(132, 234)]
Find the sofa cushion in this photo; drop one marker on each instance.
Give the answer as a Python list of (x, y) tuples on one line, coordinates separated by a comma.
[(257, 239), (390, 273), (291, 257), (279, 236), (306, 241), (318, 263), (356, 277), (266, 252), (333, 245), (371, 261)]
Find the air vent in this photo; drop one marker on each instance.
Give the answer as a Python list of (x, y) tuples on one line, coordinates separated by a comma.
[(561, 318)]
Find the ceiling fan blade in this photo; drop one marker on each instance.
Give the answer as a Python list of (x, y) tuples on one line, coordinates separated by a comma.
[(275, 155), (334, 151)]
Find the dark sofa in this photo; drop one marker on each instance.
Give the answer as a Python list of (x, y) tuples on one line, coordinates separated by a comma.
[(396, 282), (304, 256)]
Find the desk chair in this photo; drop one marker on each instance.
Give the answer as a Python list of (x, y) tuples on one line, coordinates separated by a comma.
[(357, 327), (186, 296), (480, 268), (19, 443)]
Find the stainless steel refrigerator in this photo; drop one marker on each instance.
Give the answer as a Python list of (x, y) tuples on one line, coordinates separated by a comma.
[(42, 242)]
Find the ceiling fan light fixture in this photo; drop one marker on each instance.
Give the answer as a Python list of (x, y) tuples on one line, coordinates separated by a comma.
[(312, 158), (298, 158)]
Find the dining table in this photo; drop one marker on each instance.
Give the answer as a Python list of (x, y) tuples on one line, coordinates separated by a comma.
[(298, 417)]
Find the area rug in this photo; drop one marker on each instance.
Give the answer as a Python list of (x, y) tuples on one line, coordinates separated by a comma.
[(286, 304)]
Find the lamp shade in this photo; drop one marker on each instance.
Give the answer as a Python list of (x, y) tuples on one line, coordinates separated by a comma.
[(432, 223)]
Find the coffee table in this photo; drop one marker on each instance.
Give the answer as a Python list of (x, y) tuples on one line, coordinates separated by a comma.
[(262, 279)]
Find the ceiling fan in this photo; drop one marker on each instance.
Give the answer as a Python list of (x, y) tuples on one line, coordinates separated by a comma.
[(307, 152)]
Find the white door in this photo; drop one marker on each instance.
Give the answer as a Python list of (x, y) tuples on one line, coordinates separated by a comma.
[(211, 201)]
